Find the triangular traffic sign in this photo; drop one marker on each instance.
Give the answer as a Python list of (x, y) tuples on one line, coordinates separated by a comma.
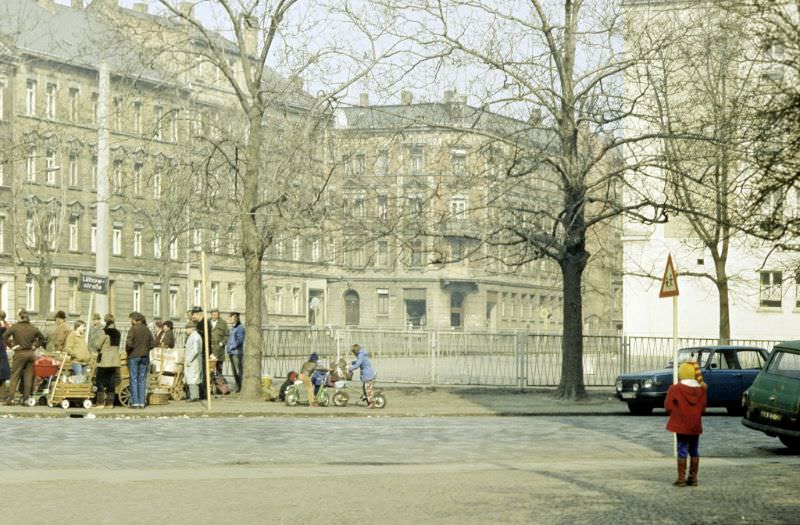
[(669, 283)]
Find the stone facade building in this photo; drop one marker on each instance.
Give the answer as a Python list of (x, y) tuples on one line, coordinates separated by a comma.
[(403, 242)]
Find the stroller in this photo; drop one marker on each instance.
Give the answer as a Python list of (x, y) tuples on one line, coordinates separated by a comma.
[(63, 388)]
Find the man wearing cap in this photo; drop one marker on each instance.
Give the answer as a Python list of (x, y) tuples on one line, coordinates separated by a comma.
[(24, 338), (57, 337)]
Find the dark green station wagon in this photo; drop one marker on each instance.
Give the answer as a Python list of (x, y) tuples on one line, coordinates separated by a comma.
[(772, 403)]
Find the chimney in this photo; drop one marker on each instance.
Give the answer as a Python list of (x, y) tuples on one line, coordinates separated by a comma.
[(185, 8), (448, 96), (363, 100), (140, 7), (250, 34), (77, 4), (406, 97)]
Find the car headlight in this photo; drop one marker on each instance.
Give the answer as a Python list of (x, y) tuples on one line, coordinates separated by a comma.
[(636, 387), (618, 384), (648, 383)]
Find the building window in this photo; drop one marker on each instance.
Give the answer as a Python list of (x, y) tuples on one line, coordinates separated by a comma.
[(197, 239), (383, 207), (383, 163), (296, 301), (231, 296), (73, 294), (117, 109), (215, 241), (157, 246), (383, 301), (30, 97), (173, 125), (358, 207), (137, 179), (361, 164), (137, 117), (50, 101), (157, 186), (116, 180), (458, 207), (158, 113), (331, 251), (116, 241), (94, 173), (156, 300), (417, 161), (173, 249), (52, 232), (197, 298), (2, 99), (214, 295), (382, 256), (50, 167), (173, 301), (137, 297), (73, 170), (93, 240), (74, 95), (315, 250), (95, 105), (352, 308), (73, 234), (456, 310), (459, 161), (296, 248), (276, 300), (30, 294), (137, 243), (456, 249), (30, 165), (416, 253), (770, 294), (53, 294)]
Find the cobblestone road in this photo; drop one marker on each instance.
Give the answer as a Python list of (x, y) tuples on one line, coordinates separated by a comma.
[(591, 469)]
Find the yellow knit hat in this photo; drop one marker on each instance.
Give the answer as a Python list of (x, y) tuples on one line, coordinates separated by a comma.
[(686, 371)]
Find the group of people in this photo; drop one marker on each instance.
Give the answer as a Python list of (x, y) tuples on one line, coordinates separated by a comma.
[(362, 363), (103, 347)]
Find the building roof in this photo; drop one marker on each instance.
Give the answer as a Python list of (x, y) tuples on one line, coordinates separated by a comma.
[(456, 116)]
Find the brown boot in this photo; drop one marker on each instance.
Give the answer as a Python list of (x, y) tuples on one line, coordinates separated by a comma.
[(694, 466), (681, 481)]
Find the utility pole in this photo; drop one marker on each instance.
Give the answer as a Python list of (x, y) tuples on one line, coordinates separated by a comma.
[(103, 191)]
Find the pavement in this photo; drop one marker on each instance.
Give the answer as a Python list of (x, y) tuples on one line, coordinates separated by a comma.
[(401, 401)]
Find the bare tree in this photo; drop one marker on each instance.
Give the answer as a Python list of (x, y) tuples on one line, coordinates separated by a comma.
[(556, 66)]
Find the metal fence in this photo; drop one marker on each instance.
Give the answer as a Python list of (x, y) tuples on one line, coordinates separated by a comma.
[(468, 358), (454, 358)]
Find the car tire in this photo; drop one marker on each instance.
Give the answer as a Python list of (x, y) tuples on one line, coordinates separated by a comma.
[(792, 443), (640, 409)]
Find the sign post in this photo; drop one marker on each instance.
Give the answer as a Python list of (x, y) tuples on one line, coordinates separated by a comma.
[(95, 284), (669, 288)]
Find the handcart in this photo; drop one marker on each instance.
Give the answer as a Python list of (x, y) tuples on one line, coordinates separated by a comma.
[(66, 389)]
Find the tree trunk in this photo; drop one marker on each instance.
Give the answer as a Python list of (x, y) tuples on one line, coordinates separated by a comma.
[(253, 254), (571, 385), (163, 302), (43, 282), (724, 307)]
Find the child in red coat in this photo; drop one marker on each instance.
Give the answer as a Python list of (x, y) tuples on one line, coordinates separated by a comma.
[(685, 403)]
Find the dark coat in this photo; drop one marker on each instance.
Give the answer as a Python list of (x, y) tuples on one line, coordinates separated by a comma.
[(139, 341)]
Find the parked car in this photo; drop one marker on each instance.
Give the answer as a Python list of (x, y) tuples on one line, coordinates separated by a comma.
[(728, 371), (772, 403)]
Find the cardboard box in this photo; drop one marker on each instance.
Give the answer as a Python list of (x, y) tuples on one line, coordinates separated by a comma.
[(166, 381)]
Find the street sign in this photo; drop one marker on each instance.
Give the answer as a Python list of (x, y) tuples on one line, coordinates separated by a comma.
[(669, 283), (93, 283)]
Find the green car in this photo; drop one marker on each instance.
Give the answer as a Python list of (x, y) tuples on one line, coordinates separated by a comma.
[(772, 403)]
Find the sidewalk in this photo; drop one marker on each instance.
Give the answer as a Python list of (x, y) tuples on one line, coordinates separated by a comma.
[(401, 401)]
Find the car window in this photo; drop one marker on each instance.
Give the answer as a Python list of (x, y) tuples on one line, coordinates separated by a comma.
[(785, 364), (750, 360), (693, 354), (723, 360)]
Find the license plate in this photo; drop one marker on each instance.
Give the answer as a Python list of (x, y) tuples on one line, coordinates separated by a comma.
[(629, 395), (771, 415)]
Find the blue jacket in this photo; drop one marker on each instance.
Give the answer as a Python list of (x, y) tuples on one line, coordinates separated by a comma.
[(362, 362), (235, 340)]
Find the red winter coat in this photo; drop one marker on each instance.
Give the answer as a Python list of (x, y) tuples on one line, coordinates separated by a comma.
[(685, 405)]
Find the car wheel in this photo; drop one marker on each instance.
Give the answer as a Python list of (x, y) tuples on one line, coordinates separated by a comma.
[(640, 409), (735, 410), (792, 443)]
